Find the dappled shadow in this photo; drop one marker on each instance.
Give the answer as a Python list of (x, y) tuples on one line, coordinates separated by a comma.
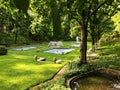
[(17, 73)]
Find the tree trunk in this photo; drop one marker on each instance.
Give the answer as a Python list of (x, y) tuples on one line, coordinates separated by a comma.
[(83, 49), (93, 43), (1, 28), (16, 35), (56, 21)]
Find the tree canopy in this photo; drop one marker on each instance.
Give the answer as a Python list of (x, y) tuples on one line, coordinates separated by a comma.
[(54, 19)]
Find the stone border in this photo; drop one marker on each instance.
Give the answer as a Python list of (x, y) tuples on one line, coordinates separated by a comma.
[(112, 72)]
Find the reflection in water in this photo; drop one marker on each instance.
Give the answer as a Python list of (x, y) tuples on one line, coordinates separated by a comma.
[(94, 83)]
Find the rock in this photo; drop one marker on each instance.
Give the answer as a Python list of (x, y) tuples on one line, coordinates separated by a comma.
[(117, 86), (59, 61), (39, 59), (56, 60)]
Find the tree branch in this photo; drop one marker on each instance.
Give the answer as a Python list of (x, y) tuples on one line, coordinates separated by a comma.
[(101, 4)]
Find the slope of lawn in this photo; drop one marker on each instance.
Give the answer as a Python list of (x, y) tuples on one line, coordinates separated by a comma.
[(19, 70), (110, 55)]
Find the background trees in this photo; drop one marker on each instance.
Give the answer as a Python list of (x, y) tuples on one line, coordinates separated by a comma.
[(13, 20), (51, 20), (38, 20), (86, 13), (100, 22)]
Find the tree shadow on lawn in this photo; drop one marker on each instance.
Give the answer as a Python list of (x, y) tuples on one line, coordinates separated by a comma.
[(110, 57), (21, 75), (114, 50)]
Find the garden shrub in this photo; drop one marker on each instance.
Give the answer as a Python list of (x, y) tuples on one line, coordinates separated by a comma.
[(72, 69), (3, 50)]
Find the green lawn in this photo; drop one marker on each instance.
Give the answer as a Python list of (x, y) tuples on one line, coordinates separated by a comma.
[(110, 55), (19, 71)]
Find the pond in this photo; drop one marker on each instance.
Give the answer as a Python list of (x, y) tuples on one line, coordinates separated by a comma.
[(96, 81), (59, 50), (24, 48)]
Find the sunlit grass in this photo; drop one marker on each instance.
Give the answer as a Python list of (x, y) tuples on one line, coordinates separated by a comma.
[(19, 70), (110, 56)]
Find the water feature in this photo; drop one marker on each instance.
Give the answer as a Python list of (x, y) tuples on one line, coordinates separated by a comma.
[(96, 81), (24, 48), (77, 39), (60, 50), (55, 44)]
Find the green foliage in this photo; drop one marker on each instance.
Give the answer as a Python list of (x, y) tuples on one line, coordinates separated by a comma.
[(57, 85), (13, 21), (23, 72), (5, 15), (5, 38), (74, 69), (1, 1), (110, 56), (8, 38), (116, 20), (75, 29), (56, 20), (109, 60), (22, 5), (3, 50), (112, 62)]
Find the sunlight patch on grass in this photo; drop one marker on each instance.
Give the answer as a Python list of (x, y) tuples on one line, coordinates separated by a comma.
[(3, 77), (35, 68), (19, 56), (19, 70)]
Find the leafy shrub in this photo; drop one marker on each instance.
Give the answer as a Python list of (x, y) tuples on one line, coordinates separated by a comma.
[(72, 69), (3, 50)]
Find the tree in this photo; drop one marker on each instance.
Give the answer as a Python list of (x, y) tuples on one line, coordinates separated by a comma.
[(56, 18), (22, 5), (13, 19), (5, 17), (99, 21), (81, 11)]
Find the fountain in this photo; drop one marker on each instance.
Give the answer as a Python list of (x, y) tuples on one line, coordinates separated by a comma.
[(55, 44), (77, 44), (77, 39), (56, 48), (102, 79)]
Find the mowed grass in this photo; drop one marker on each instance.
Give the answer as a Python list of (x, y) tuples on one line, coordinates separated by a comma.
[(110, 55), (19, 70)]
